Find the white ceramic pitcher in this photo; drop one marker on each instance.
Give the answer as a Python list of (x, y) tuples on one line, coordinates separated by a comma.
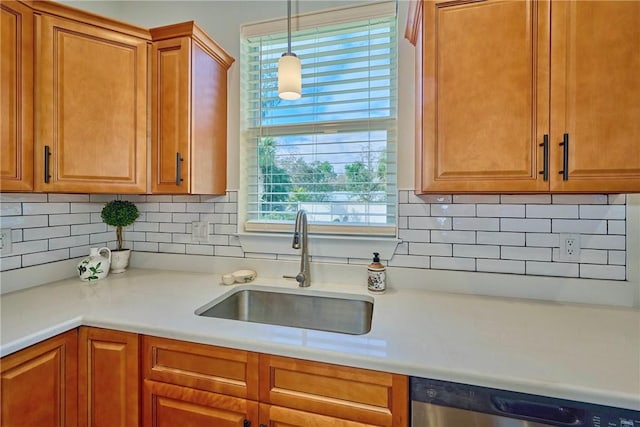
[(96, 265)]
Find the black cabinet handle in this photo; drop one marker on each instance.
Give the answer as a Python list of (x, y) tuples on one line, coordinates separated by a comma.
[(47, 170), (565, 157), (246, 423), (545, 155), (179, 161)]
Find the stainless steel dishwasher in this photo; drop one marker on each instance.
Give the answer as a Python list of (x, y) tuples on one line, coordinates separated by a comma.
[(436, 403)]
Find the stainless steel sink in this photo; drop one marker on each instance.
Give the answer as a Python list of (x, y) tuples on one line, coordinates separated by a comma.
[(347, 315)]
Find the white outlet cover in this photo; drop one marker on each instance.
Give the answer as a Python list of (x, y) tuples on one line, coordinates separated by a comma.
[(570, 247)]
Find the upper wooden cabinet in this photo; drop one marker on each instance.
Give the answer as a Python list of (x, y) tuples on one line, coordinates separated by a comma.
[(189, 111), (91, 86), (39, 384), (16, 101), (499, 84)]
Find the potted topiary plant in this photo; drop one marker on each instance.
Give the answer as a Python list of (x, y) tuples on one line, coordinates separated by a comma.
[(119, 213)]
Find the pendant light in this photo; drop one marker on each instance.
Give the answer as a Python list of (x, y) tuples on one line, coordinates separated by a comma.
[(289, 68)]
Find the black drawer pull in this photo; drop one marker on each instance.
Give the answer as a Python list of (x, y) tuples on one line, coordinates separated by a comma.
[(565, 157)]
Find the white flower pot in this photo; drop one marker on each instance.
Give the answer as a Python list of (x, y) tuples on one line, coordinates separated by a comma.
[(120, 260)]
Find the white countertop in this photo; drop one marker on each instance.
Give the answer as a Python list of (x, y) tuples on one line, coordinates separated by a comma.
[(578, 352)]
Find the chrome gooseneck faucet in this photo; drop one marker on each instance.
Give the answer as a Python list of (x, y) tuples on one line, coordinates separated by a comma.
[(300, 241)]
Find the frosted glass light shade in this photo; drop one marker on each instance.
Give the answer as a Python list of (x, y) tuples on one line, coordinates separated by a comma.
[(289, 77)]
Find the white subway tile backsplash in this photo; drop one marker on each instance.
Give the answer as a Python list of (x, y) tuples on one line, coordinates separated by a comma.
[(525, 198), (616, 227), (68, 219), (413, 209), (580, 199), (199, 249), (450, 263), (603, 211), (10, 263), (145, 246), (517, 234), (415, 235), (44, 257), (453, 210), (476, 251), (595, 241), (543, 239), (173, 248), (46, 232), (69, 242), (501, 211), (525, 253), (560, 269), (525, 225), (500, 266), (7, 209), (44, 208), (476, 198), (444, 236), (593, 271), (552, 211), (429, 223), (500, 238), (431, 249), (173, 207), (86, 207), (484, 224), (88, 228), (584, 226), (617, 257), (412, 261)]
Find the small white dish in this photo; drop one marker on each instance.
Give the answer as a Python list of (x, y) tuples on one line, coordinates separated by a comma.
[(244, 276), (228, 279)]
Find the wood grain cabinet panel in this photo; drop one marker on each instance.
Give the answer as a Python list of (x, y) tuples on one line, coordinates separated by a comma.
[(199, 366), (39, 384), (595, 94), (167, 405), (500, 80), (91, 83), (278, 416), (361, 395), (189, 111), (108, 378), (16, 101)]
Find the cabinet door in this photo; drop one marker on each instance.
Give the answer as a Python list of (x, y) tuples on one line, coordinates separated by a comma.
[(277, 416), (167, 405), (92, 102), (108, 378), (16, 102), (595, 94), (484, 95), (361, 395), (39, 384), (171, 133)]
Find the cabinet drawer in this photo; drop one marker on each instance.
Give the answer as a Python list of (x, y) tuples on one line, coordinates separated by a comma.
[(350, 393), (205, 367)]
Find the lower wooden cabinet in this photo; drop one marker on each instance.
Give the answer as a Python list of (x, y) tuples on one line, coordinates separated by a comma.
[(168, 405), (39, 385), (105, 378), (108, 378), (278, 416)]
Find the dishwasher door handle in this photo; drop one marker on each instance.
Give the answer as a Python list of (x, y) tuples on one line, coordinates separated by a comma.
[(539, 412)]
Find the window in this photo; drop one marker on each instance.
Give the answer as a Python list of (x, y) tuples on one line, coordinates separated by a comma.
[(332, 152)]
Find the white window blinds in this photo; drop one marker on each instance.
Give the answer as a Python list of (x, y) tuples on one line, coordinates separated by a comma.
[(332, 152)]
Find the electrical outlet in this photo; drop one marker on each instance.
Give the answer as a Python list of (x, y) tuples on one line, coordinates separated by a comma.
[(5, 241), (569, 247), (200, 231)]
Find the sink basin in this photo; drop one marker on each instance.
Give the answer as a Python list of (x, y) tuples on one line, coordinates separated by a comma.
[(344, 314)]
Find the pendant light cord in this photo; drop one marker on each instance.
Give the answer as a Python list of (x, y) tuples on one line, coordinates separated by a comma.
[(289, 26)]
